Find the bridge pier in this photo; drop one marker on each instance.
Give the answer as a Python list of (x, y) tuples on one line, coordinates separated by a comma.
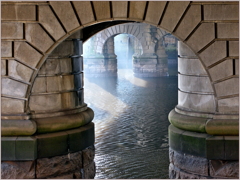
[(203, 143), (56, 138)]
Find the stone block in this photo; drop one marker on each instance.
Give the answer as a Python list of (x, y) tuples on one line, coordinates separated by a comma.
[(233, 48), (190, 66), (65, 13), (194, 84), (40, 85), (52, 144), (3, 67), (63, 50), (88, 155), (227, 87), (223, 169), (26, 54), (6, 49), (229, 105), (184, 51), (37, 36), (53, 83), (19, 71), (102, 9), (215, 147), (59, 165), (154, 12), (214, 53), (196, 102), (69, 100), (78, 81), (8, 146), (190, 21), (77, 64), (194, 143), (12, 106), (18, 12), (77, 35), (13, 88), (137, 9), (175, 138), (231, 147), (90, 170), (228, 30), (119, 9), (26, 148), (52, 66), (237, 66), (171, 19), (225, 67), (67, 82), (190, 163), (84, 11), (81, 138), (221, 12), (10, 30), (45, 102), (201, 37), (18, 170), (66, 65), (50, 22)]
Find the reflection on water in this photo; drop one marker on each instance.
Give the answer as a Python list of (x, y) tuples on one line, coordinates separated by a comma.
[(131, 125)]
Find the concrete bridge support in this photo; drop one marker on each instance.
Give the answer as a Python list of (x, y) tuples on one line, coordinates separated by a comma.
[(203, 143), (57, 139)]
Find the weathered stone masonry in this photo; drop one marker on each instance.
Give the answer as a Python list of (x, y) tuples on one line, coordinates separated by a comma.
[(204, 123)]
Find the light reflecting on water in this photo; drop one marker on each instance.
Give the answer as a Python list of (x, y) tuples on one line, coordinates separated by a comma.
[(131, 125)]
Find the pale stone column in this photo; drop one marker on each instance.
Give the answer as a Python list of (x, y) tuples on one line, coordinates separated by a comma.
[(203, 143), (62, 145)]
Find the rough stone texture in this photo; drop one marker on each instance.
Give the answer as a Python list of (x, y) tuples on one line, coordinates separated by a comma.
[(3, 67), (12, 30), (58, 165), (84, 11), (223, 30), (222, 90), (18, 170), (212, 54), (200, 84), (42, 41), (137, 9), (45, 102), (102, 9), (229, 105), (9, 106), (6, 49), (233, 48), (119, 9), (171, 19), (90, 170), (25, 53), (223, 169), (13, 88), (226, 67), (191, 20), (39, 85), (201, 36), (190, 66), (196, 102), (50, 23), (18, 12), (221, 12), (65, 12), (155, 10), (88, 155), (19, 71)]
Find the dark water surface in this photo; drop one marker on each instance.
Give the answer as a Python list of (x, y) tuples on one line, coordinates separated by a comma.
[(131, 124)]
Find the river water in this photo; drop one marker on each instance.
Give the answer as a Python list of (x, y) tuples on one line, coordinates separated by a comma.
[(131, 124)]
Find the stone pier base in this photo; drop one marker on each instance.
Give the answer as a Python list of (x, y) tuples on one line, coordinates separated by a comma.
[(78, 165)]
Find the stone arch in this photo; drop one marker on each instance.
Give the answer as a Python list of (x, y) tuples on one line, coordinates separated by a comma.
[(37, 31)]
